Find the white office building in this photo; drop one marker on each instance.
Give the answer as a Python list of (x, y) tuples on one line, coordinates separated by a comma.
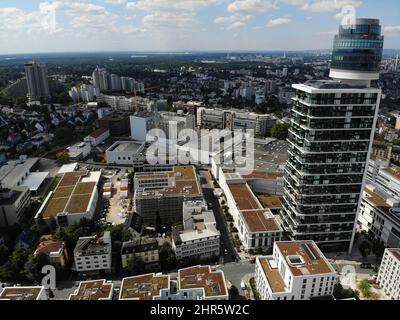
[(199, 237), (389, 273), (295, 271), (379, 214), (93, 253)]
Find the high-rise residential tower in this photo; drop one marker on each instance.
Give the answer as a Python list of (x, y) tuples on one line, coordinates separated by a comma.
[(37, 80), (330, 136)]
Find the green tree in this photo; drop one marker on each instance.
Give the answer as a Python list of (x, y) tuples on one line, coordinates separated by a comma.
[(280, 131), (34, 265), (63, 136), (136, 265), (7, 272), (378, 249), (233, 293), (167, 256), (62, 157), (4, 252), (365, 248)]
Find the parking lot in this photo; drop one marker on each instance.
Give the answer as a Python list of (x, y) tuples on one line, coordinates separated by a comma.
[(270, 157)]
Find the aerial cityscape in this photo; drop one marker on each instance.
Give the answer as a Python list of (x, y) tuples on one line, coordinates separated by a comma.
[(229, 170)]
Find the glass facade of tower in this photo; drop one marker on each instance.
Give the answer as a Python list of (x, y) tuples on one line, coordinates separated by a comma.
[(358, 47), (329, 138)]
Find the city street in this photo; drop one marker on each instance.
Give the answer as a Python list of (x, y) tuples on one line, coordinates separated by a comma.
[(228, 252)]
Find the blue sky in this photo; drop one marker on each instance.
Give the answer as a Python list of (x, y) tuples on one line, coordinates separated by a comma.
[(183, 25)]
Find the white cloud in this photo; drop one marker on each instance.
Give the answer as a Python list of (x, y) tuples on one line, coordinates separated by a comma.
[(168, 5), (329, 5), (116, 1), (327, 33), (391, 30), (168, 20), (278, 22), (252, 6), (234, 21)]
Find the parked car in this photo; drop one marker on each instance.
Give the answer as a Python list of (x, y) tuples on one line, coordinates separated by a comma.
[(366, 266)]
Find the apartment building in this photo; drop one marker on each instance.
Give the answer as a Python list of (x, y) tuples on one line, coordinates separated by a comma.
[(93, 253), (257, 226), (93, 290), (296, 270), (56, 251), (200, 237), (331, 134), (236, 120), (23, 293), (98, 136), (144, 248), (74, 198), (379, 214), (79, 151), (13, 205), (159, 196), (194, 283), (389, 273)]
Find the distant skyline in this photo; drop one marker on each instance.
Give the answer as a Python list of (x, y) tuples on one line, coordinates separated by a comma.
[(183, 25)]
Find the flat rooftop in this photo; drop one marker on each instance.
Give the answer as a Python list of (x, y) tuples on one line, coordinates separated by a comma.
[(126, 146), (244, 197), (271, 271), (21, 293), (93, 290), (393, 171), (260, 221), (213, 282), (377, 200), (186, 182), (70, 196), (313, 261), (263, 175), (270, 201), (144, 287)]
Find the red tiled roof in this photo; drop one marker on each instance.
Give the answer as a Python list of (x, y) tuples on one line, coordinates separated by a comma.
[(49, 246), (97, 133)]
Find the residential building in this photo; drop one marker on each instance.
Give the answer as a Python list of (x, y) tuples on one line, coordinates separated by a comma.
[(74, 198), (257, 226), (141, 123), (79, 151), (200, 238), (13, 205), (56, 251), (98, 136), (201, 283), (37, 80), (389, 273), (145, 249), (296, 270), (23, 293), (194, 283), (236, 120), (379, 214), (93, 254), (159, 196), (145, 287), (93, 290), (331, 134)]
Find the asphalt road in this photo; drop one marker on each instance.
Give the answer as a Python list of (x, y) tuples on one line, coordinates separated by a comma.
[(228, 252)]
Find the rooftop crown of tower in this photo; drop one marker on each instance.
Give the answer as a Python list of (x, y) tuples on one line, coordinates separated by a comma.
[(357, 51)]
